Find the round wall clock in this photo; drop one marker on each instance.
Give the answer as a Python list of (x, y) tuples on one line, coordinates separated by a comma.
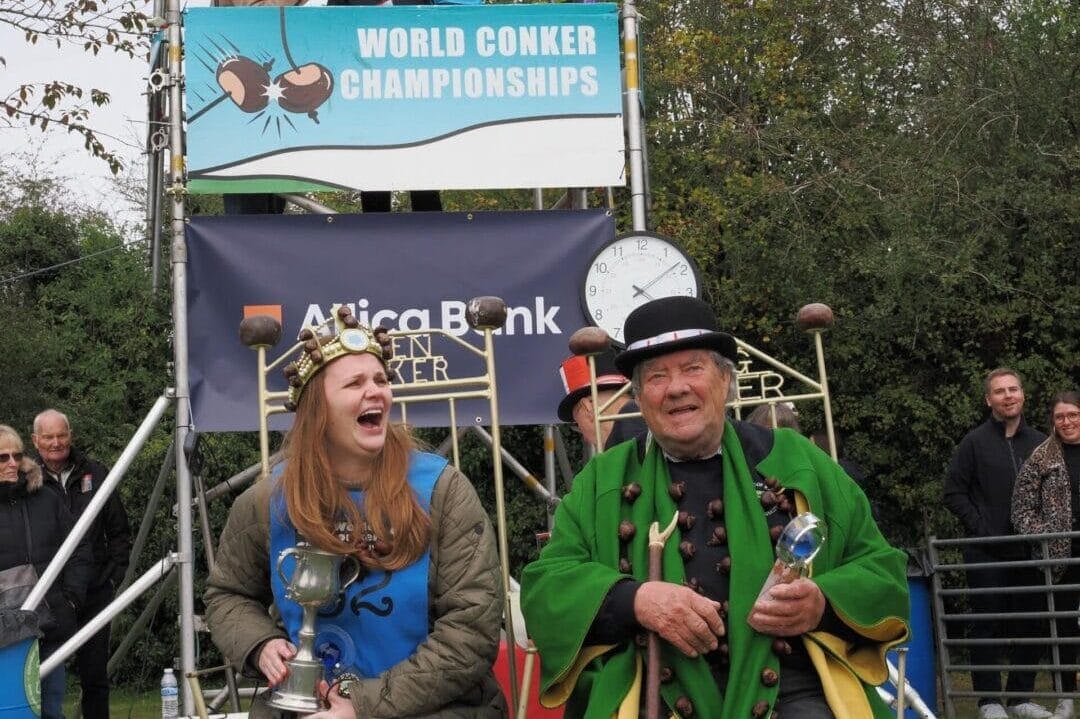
[(631, 270)]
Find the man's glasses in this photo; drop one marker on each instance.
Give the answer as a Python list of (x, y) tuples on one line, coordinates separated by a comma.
[(5, 457), (1066, 417)]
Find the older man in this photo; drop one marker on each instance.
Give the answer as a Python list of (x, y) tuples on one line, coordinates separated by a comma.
[(77, 478), (810, 648), (577, 406)]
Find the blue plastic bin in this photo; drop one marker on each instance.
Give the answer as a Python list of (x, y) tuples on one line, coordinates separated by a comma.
[(20, 684), (20, 681), (921, 667)]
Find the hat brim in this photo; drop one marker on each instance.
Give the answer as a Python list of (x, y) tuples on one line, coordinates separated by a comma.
[(566, 406), (717, 341)]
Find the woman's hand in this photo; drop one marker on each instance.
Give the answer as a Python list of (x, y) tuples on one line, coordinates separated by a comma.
[(340, 707), (272, 658)]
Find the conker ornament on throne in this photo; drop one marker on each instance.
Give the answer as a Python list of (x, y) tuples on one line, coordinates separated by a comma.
[(796, 548), (315, 582)]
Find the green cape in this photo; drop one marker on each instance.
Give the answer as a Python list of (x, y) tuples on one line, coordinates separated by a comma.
[(563, 590)]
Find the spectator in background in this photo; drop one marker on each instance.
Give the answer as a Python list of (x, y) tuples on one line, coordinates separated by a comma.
[(577, 405), (33, 525), (978, 490), (771, 416), (77, 479), (1046, 499)]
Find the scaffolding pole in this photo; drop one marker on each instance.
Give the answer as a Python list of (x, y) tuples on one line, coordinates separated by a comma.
[(177, 194), (632, 110)]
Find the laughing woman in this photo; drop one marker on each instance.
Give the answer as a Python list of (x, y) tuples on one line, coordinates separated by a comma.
[(417, 634)]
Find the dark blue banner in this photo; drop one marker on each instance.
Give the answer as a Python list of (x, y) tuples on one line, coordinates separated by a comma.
[(405, 271)]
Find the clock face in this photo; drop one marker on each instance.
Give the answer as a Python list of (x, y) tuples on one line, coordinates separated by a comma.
[(630, 271)]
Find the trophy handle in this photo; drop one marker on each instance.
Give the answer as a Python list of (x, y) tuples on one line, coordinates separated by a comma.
[(281, 558), (355, 571)]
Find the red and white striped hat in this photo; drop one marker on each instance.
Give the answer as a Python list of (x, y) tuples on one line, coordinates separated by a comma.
[(574, 372)]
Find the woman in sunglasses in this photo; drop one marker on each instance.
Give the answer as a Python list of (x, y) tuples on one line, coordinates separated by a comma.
[(33, 524)]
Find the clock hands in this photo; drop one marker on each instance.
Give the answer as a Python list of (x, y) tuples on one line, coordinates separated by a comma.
[(641, 290)]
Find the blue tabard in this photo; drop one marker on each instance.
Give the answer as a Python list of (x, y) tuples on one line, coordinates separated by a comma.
[(383, 617)]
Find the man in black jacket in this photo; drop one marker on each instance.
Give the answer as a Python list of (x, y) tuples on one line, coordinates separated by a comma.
[(978, 491), (77, 478)]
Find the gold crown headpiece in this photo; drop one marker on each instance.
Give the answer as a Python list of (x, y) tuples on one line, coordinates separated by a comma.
[(338, 336)]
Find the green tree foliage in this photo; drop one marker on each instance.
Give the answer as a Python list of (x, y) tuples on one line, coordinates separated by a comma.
[(83, 334), (100, 341), (913, 165)]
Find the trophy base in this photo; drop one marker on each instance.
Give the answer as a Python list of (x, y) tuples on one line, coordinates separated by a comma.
[(297, 694), (295, 703)]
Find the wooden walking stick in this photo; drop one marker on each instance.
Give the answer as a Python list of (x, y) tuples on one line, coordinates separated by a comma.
[(657, 540)]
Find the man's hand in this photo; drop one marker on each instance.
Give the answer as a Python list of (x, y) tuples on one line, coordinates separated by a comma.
[(789, 609), (689, 621), (272, 658), (340, 707)]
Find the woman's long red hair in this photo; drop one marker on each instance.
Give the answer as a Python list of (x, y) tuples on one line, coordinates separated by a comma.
[(316, 501)]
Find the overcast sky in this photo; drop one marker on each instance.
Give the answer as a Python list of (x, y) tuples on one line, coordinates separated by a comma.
[(122, 122)]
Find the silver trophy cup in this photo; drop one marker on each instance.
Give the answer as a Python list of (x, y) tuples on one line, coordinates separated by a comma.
[(315, 582), (796, 548)]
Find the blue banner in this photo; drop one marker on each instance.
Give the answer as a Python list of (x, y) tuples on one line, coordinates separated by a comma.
[(405, 271), (397, 98)]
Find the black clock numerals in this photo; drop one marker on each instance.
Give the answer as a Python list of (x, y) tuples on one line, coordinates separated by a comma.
[(630, 270)]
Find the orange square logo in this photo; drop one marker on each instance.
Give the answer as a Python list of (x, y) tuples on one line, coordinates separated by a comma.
[(272, 310)]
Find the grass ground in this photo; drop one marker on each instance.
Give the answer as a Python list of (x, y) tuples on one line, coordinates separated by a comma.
[(123, 703), (967, 708), (128, 704)]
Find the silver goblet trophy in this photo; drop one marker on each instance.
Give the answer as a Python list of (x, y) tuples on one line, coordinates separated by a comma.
[(796, 548), (315, 582)]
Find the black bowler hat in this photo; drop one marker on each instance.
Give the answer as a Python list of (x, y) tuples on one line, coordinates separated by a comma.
[(574, 372), (671, 324)]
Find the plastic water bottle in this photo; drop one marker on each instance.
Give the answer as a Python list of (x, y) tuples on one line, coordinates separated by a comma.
[(169, 695)]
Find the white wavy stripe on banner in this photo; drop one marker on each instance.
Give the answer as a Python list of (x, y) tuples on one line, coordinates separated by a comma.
[(563, 152)]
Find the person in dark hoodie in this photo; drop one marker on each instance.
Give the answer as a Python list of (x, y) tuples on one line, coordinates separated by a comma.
[(77, 478), (978, 490), (33, 525)]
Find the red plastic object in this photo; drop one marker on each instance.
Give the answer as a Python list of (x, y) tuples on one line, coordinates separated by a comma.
[(502, 674)]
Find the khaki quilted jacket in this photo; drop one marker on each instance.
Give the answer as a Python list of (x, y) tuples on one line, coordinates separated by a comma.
[(449, 676)]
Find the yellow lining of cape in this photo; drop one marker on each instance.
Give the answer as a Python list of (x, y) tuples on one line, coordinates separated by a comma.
[(887, 630), (560, 690), (843, 691), (841, 671), (867, 662), (632, 701)]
